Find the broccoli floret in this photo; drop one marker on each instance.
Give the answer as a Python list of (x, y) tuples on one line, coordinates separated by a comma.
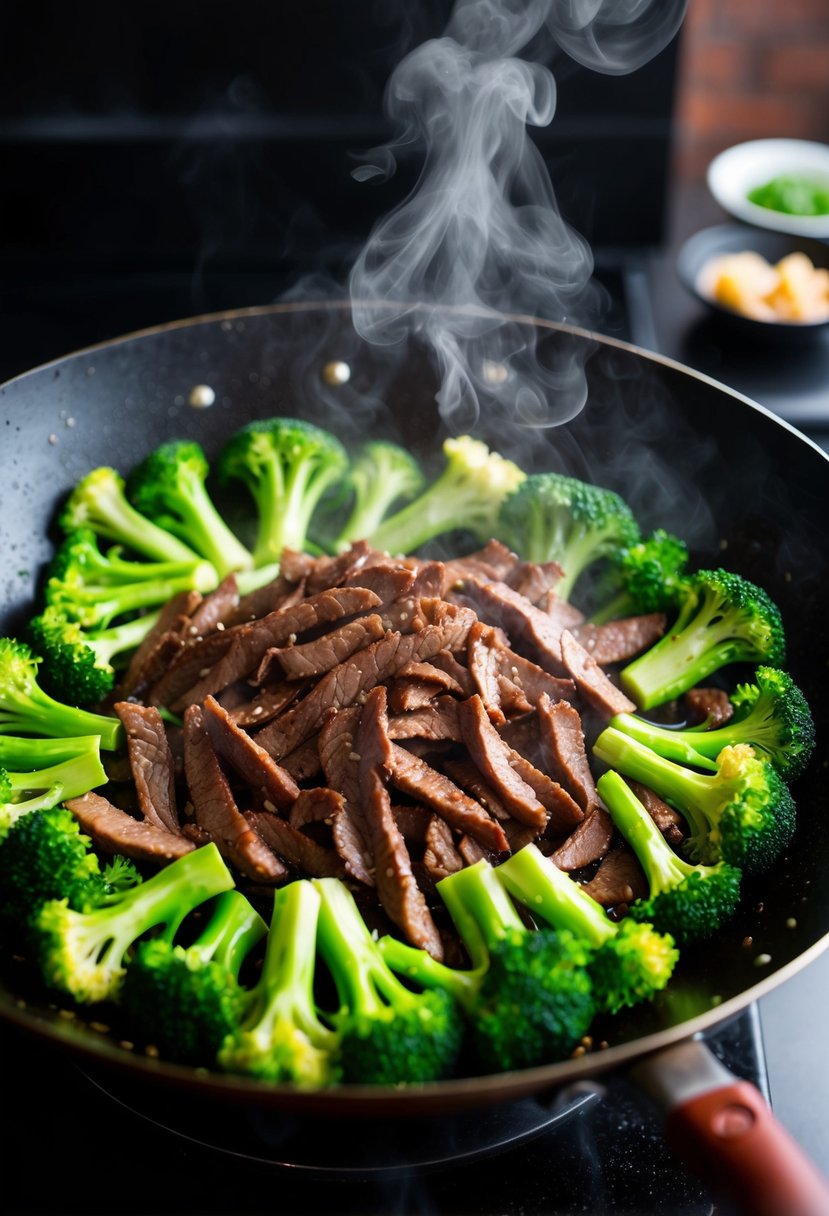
[(77, 664), (552, 517), (466, 495), (44, 856), (85, 953), (25, 708), (185, 1000), (743, 813), (99, 502), (723, 618), (94, 591), (528, 998), (281, 1037), (771, 715), (691, 902), (381, 474), (630, 961), (169, 487), (646, 576), (287, 465), (388, 1034), (41, 788)]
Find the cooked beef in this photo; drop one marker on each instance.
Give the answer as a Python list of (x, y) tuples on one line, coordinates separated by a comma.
[(589, 842), (670, 823), (491, 563), (296, 566), (437, 721), (417, 683), (484, 666), (192, 662), (535, 580), (339, 764), (597, 689), (279, 593), (472, 851), (318, 805), (267, 703), (617, 641), (531, 631), (513, 699), (151, 763), (468, 776), (447, 662), (328, 572), (440, 857), (531, 679), (169, 633), (564, 813), (387, 580), (562, 746), (619, 879), (250, 642), (414, 776), (114, 831), (303, 762), (294, 847), (563, 614), (250, 761), (397, 889), (709, 705), (346, 682), (412, 822), (215, 812), (302, 662), (215, 610), (492, 757)]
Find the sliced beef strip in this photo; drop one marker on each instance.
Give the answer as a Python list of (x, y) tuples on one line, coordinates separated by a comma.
[(619, 879), (563, 750), (216, 608), (412, 822), (534, 580), (513, 699), (328, 572), (214, 809), (484, 667), (114, 831), (296, 566), (417, 684), (250, 642), (279, 593), (467, 775), (414, 776), (272, 783), (492, 757), (472, 851), (531, 679), (447, 662), (339, 764), (531, 631), (670, 823), (388, 581), (598, 691), (294, 847), (192, 662), (563, 614), (169, 633), (318, 805), (266, 704), (151, 763), (345, 683), (588, 843), (304, 762), (437, 721), (709, 705), (440, 857), (564, 812), (309, 659), (491, 563), (617, 641), (397, 889)]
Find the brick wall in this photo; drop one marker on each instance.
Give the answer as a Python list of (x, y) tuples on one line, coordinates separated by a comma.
[(750, 69)]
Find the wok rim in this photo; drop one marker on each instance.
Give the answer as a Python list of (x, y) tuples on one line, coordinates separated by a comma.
[(454, 1094)]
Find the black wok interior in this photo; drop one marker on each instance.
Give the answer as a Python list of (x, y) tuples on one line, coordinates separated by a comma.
[(741, 487)]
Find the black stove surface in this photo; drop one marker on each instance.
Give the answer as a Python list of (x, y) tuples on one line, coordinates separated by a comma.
[(80, 1145)]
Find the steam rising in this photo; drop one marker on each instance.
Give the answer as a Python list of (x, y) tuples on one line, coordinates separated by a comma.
[(481, 235)]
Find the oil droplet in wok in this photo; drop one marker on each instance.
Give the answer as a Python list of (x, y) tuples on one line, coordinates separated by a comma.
[(201, 396), (336, 372)]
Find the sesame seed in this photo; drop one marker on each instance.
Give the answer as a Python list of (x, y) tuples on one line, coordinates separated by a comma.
[(259, 709), (205, 671), (354, 756), (762, 960), (269, 806)]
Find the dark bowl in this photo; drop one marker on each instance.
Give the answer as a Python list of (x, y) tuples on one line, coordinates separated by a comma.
[(722, 239)]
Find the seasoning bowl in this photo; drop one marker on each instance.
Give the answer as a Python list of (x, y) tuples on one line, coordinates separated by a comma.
[(739, 170)]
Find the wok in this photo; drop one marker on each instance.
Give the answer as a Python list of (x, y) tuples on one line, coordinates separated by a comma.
[(744, 489)]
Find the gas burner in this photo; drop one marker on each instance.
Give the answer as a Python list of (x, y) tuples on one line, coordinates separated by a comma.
[(357, 1148)]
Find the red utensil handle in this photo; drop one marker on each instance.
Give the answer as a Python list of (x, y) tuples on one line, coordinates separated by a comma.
[(730, 1137)]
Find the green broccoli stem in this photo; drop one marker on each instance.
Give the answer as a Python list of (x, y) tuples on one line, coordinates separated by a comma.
[(699, 748), (582, 547), (108, 644), (75, 776), (536, 882), (700, 642), (697, 795), (252, 580), (480, 908), (365, 984), (620, 606), (98, 606), (445, 505), (29, 755), (99, 502), (419, 966), (285, 507), (664, 870), (199, 524), (34, 711), (232, 930)]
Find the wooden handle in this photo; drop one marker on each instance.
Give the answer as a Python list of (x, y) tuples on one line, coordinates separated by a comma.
[(730, 1137)]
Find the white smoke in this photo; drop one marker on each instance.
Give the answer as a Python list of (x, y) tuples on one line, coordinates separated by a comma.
[(481, 234)]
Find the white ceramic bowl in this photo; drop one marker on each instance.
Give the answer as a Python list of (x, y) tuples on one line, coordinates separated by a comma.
[(735, 172)]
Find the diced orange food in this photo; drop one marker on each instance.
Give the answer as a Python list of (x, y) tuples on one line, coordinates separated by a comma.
[(793, 290)]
